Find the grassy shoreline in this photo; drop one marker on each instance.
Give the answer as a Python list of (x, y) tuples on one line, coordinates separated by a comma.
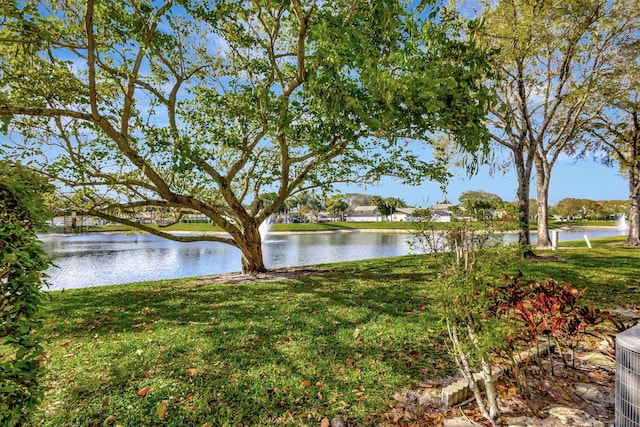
[(339, 342), (315, 227)]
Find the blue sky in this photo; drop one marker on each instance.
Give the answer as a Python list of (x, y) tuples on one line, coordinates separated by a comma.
[(570, 178), (583, 179)]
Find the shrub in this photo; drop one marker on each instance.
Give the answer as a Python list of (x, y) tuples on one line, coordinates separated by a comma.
[(22, 262), (486, 315), (544, 308), (467, 259)]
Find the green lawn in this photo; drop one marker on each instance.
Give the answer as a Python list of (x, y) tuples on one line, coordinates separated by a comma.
[(581, 223), (281, 353)]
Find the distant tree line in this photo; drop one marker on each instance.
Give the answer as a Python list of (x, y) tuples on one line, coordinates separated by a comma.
[(308, 206), (570, 208)]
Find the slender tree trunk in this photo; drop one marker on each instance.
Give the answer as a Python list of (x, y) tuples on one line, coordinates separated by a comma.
[(633, 238), (542, 191), (634, 184), (492, 414), (490, 390), (523, 172)]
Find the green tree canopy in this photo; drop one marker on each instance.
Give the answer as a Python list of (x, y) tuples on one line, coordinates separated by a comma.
[(480, 203), (615, 208), (387, 205), (337, 205), (204, 106), (578, 208), (614, 134), (358, 199), (549, 57)]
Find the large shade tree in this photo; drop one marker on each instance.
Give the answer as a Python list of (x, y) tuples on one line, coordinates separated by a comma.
[(614, 135), (550, 56), (201, 106)]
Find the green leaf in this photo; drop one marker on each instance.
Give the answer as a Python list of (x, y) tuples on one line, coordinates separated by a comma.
[(5, 120)]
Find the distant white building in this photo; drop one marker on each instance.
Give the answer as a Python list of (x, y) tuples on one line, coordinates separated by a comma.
[(403, 215), (440, 212), (364, 214), (80, 221), (370, 214)]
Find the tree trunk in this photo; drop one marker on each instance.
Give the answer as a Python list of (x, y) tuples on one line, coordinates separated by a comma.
[(633, 238), (523, 172), (543, 224), (542, 190), (462, 361), (251, 247)]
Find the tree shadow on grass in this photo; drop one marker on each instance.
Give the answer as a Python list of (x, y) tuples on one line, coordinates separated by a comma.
[(301, 346), (271, 348)]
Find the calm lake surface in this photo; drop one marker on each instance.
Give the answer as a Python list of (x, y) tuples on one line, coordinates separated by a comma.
[(105, 259)]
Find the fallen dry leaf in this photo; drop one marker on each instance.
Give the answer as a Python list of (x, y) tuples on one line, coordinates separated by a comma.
[(144, 391), (162, 409), (306, 383), (191, 371), (110, 419), (105, 401), (325, 422)]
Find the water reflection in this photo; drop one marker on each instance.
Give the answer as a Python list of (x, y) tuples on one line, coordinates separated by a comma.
[(94, 260), (104, 259)]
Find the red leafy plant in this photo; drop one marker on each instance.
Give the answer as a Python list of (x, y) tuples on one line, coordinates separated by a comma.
[(544, 309)]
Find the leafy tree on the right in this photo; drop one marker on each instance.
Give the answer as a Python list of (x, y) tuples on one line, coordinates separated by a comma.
[(614, 135), (551, 56)]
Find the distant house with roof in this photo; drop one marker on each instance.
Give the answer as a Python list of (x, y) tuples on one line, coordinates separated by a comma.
[(371, 214), (441, 212), (403, 215), (364, 214)]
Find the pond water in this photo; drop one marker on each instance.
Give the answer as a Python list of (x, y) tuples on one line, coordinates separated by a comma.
[(99, 259)]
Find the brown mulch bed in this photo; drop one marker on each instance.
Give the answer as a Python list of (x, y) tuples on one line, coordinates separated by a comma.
[(589, 387)]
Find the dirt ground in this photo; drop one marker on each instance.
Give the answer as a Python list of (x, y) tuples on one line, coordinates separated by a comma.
[(272, 275), (582, 383)]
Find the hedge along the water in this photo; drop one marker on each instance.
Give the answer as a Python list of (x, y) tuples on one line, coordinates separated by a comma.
[(22, 262)]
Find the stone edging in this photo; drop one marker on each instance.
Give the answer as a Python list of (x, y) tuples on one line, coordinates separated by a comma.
[(460, 391)]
